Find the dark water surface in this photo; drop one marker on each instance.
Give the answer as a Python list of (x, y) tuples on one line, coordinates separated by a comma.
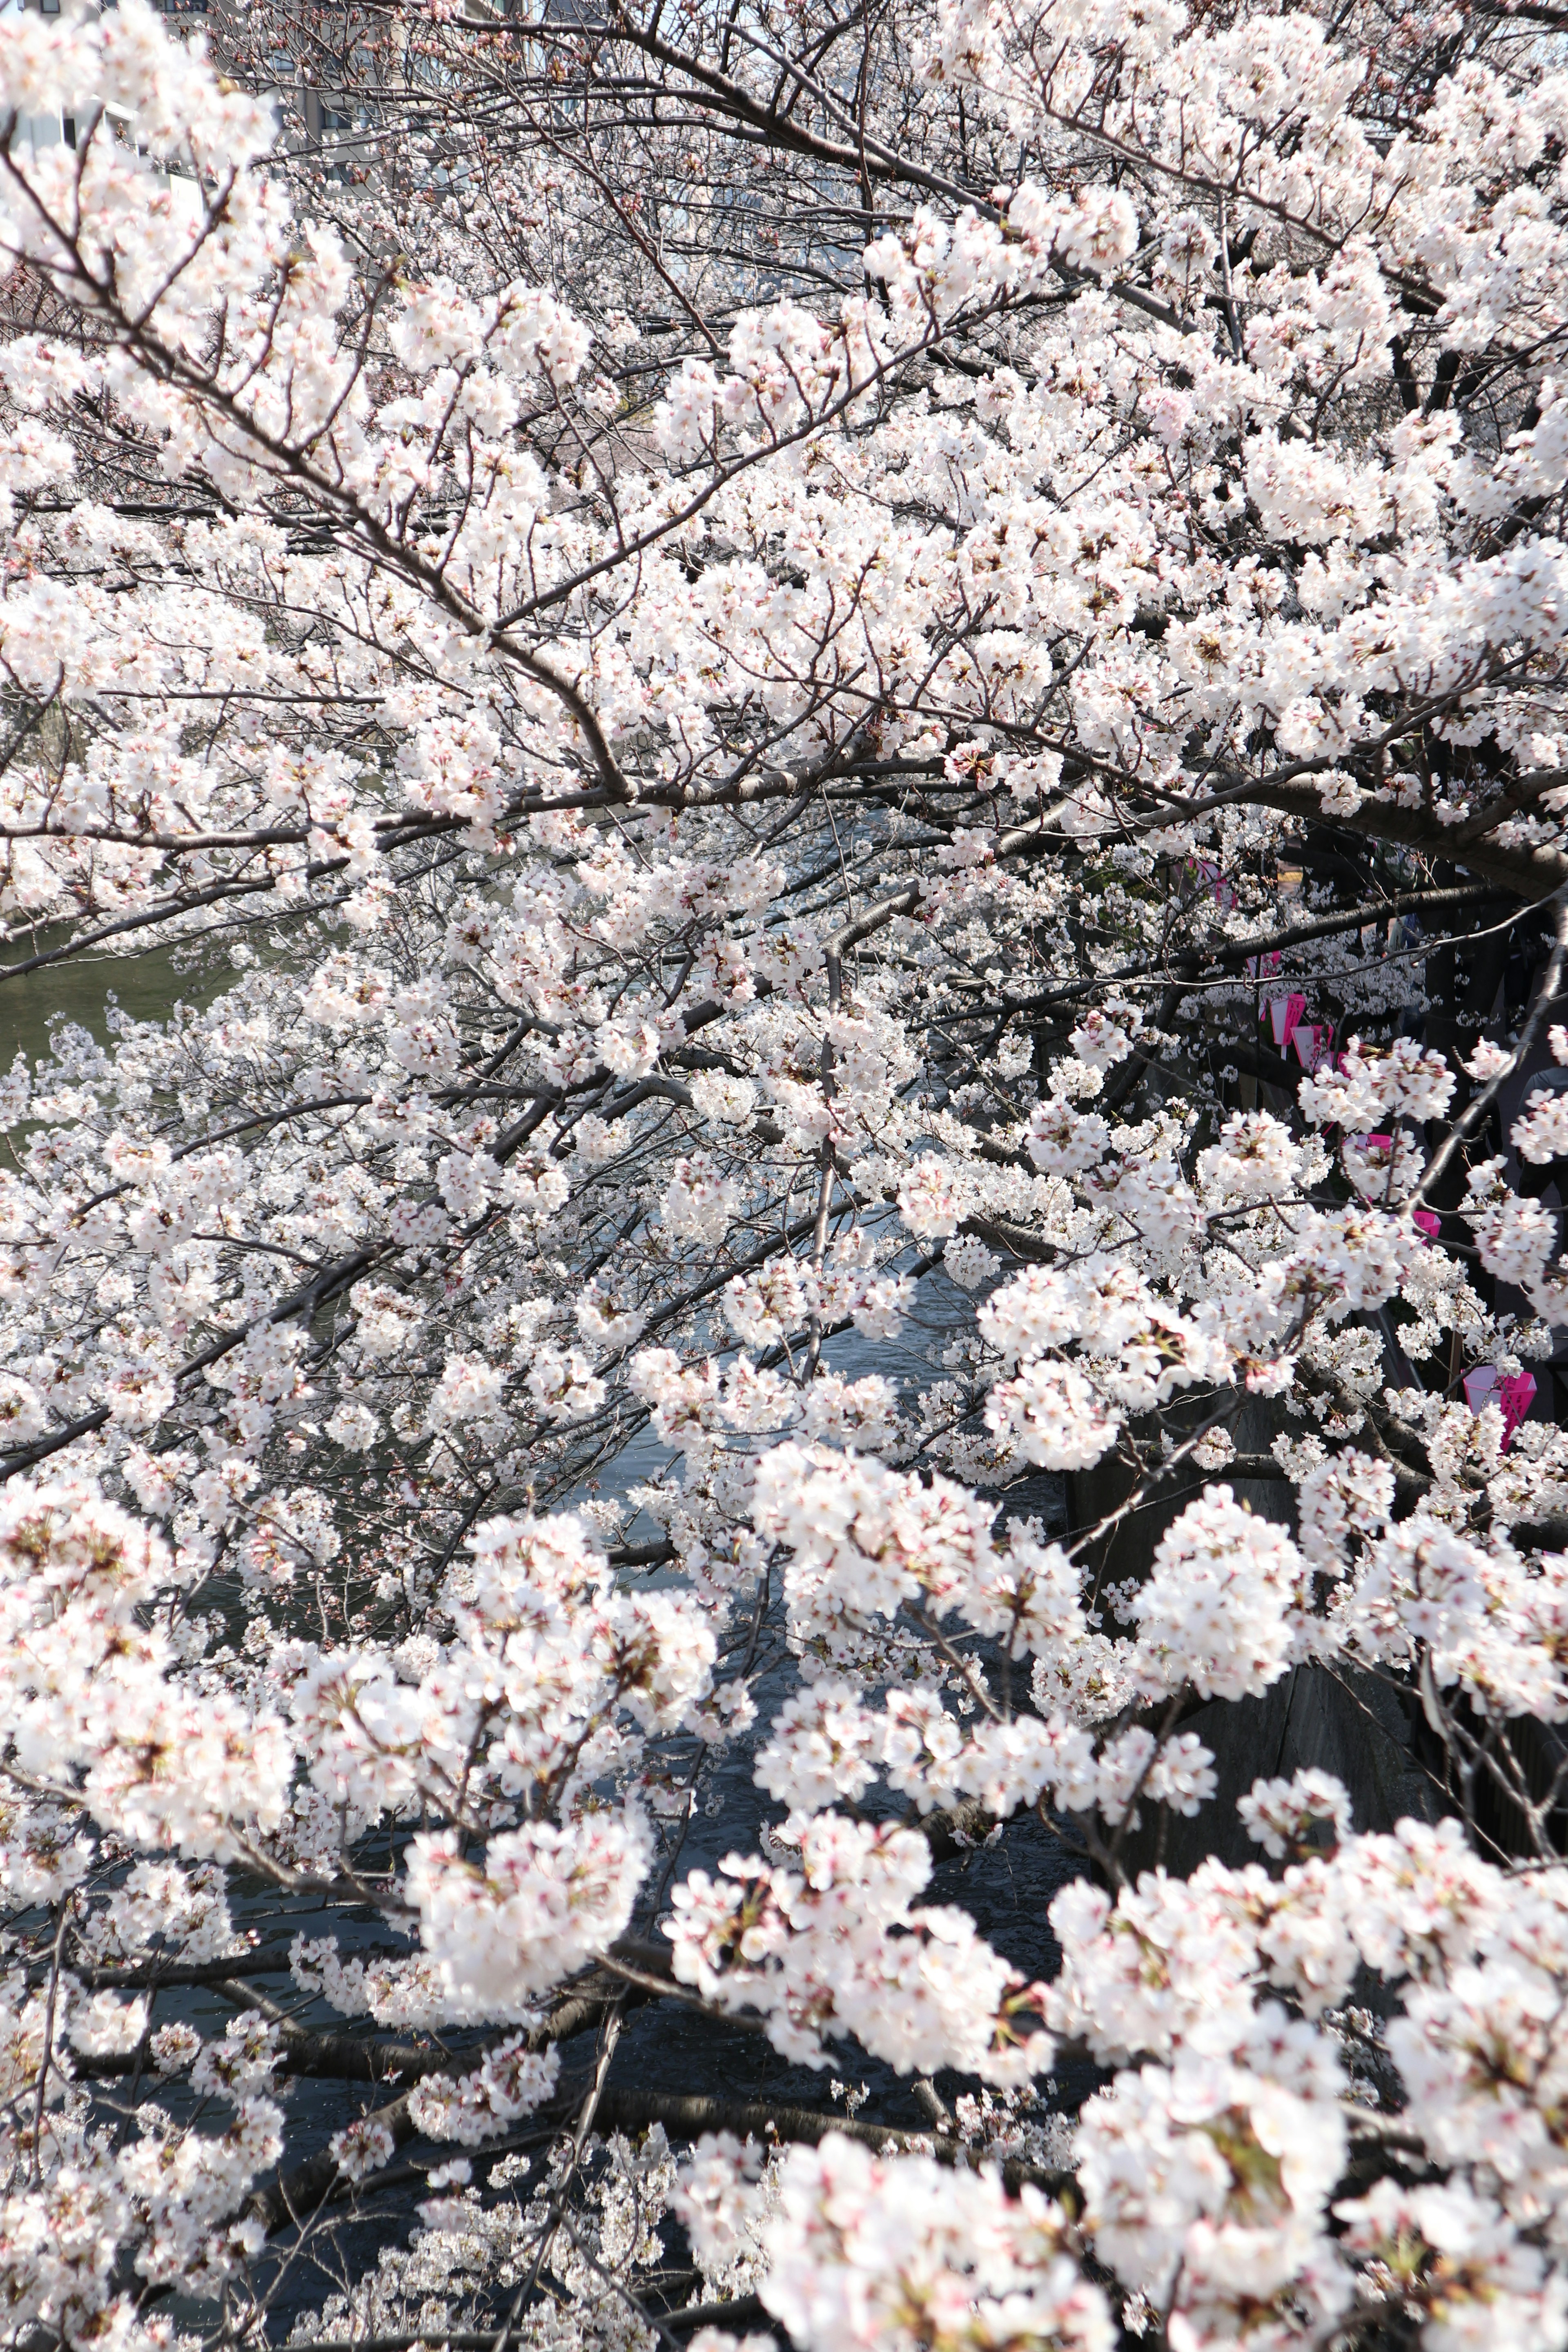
[(1007, 1889)]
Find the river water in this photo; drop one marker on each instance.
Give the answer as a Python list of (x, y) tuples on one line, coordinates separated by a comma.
[(1007, 1889)]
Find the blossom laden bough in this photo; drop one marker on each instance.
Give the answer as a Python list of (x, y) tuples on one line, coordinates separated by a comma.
[(845, 738)]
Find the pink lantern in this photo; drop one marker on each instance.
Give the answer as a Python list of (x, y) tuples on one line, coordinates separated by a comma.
[(1513, 1397), (1284, 1012), (1314, 1043)]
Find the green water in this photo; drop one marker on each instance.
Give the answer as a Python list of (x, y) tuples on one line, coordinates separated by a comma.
[(146, 986)]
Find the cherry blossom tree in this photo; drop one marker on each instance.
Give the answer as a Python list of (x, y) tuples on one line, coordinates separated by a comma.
[(846, 738)]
